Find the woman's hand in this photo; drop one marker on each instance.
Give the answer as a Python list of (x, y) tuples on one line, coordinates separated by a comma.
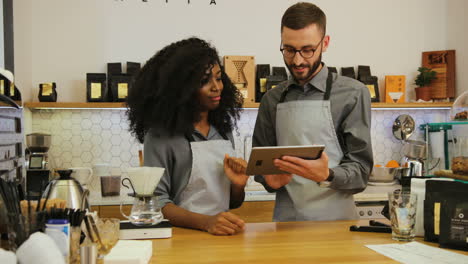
[(224, 223), (277, 181), (235, 170)]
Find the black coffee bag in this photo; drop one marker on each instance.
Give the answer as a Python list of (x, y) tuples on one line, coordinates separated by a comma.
[(454, 224), (436, 193)]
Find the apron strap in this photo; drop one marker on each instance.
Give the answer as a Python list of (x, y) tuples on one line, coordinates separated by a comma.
[(189, 137), (326, 97), (283, 95), (224, 135)]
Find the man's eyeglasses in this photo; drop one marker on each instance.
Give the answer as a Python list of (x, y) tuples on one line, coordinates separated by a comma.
[(307, 53)]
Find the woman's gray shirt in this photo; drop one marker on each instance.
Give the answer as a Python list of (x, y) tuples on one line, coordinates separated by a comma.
[(174, 154)]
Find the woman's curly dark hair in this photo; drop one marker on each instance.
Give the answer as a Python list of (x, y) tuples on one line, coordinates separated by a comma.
[(164, 93)]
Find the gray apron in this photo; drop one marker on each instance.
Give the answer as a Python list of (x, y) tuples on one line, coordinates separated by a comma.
[(208, 190), (309, 122)]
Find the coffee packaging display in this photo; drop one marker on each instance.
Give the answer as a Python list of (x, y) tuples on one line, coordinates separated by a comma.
[(7, 85), (436, 193), (113, 68), (8, 88), (348, 72), (4, 85), (332, 69), (363, 72), (47, 92), (133, 68), (96, 89), (273, 80), (120, 85), (15, 93), (372, 83), (280, 71), (262, 71), (454, 223)]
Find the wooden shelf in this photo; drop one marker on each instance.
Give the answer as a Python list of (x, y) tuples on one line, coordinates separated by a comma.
[(412, 105), (44, 105)]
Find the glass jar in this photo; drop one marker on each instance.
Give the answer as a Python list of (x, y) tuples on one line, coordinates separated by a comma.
[(460, 149), (460, 108)]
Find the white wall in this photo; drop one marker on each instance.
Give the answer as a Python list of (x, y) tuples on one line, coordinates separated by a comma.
[(62, 40), (457, 26)]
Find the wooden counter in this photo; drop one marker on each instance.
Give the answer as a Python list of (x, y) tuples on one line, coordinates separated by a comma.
[(270, 243), (250, 212)]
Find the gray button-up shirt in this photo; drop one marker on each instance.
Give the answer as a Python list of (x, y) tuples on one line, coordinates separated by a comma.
[(174, 154), (351, 113)]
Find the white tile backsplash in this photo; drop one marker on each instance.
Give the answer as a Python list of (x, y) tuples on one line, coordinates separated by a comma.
[(88, 136)]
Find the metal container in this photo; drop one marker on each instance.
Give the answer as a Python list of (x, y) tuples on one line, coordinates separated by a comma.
[(412, 167), (38, 142), (383, 174), (415, 149)]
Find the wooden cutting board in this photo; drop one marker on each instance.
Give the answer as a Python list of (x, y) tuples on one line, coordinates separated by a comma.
[(450, 174)]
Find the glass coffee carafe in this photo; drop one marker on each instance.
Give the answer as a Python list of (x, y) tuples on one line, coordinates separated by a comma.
[(145, 208)]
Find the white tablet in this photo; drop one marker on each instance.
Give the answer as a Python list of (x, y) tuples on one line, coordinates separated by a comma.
[(261, 158)]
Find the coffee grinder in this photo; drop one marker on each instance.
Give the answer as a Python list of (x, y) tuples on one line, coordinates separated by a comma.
[(37, 164)]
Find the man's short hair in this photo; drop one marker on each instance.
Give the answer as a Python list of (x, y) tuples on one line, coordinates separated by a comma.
[(301, 15)]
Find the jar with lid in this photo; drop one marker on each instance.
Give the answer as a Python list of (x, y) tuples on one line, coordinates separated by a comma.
[(459, 113), (459, 110), (460, 149)]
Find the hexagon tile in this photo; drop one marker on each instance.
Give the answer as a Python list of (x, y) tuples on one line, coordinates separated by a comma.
[(86, 137)]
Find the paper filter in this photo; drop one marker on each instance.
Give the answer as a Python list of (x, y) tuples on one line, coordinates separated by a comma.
[(145, 179)]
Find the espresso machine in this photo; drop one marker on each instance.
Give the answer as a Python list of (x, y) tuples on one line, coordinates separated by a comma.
[(37, 163)]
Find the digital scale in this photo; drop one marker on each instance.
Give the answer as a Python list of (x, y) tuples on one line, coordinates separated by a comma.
[(131, 231)]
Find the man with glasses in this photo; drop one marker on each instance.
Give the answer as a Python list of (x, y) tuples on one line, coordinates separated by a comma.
[(315, 106)]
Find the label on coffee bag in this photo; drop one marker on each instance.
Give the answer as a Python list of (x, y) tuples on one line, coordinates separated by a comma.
[(122, 90), (46, 89), (12, 89), (96, 90)]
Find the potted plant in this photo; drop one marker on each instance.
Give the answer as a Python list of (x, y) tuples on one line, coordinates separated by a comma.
[(424, 78)]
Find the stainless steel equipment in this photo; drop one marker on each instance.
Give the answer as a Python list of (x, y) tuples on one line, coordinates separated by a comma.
[(11, 140), (370, 202), (37, 163), (38, 144), (403, 127), (415, 153), (68, 189)]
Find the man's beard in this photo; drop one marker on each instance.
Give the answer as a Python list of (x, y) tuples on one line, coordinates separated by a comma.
[(310, 73)]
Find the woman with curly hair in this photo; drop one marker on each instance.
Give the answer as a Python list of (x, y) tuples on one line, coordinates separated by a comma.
[(183, 108)]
